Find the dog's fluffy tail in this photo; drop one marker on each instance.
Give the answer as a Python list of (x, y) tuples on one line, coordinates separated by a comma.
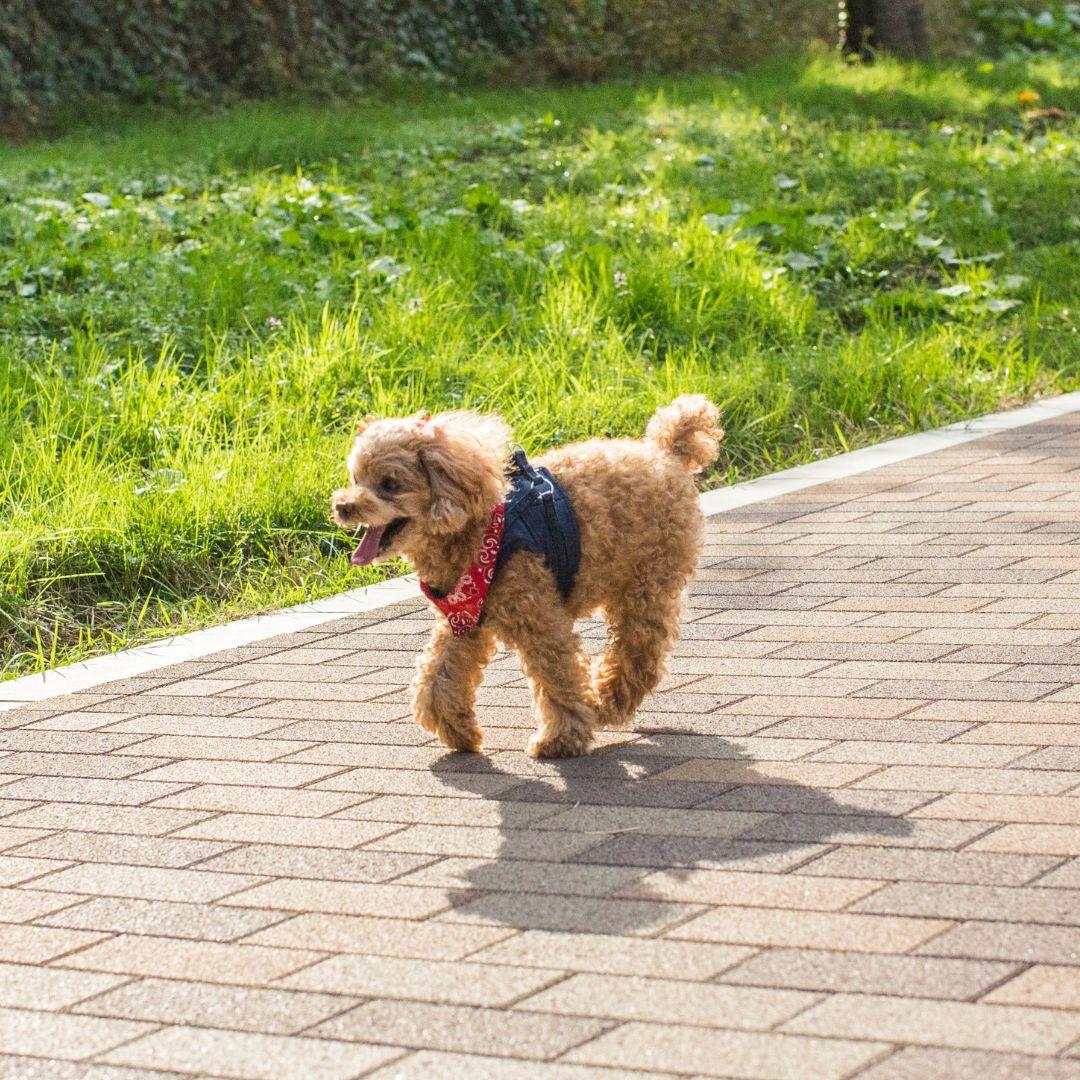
[(688, 429)]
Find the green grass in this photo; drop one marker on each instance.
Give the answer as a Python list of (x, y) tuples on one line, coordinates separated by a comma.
[(195, 308)]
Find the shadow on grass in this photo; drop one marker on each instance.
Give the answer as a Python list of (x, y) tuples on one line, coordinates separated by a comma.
[(586, 865)]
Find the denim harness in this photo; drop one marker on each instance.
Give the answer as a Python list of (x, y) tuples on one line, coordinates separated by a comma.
[(541, 519)]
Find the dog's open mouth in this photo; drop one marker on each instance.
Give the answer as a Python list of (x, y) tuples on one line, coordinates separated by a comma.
[(375, 540)]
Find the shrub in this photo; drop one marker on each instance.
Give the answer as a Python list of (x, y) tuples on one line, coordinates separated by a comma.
[(62, 50)]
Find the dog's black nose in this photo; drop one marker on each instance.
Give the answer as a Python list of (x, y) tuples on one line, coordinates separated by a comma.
[(343, 508)]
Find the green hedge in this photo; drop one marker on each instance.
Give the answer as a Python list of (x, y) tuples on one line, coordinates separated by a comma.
[(67, 51), (59, 50), (589, 38)]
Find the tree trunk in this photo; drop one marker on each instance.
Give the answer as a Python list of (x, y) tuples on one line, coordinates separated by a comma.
[(896, 26)]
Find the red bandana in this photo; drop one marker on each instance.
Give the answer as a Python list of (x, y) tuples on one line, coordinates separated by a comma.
[(464, 603)]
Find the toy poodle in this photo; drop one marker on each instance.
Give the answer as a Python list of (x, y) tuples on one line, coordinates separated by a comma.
[(513, 552)]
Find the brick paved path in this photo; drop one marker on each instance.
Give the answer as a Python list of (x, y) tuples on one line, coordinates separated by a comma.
[(843, 841)]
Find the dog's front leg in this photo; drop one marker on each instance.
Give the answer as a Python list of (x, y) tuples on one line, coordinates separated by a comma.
[(444, 689)]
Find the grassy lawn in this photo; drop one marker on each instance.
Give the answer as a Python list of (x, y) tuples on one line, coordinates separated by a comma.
[(194, 309)]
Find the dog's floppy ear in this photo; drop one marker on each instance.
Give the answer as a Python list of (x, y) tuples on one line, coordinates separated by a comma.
[(463, 454)]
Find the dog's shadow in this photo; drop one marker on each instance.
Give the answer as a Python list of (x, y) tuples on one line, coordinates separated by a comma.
[(605, 843)]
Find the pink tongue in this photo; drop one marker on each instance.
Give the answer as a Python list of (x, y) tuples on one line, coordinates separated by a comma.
[(367, 551)]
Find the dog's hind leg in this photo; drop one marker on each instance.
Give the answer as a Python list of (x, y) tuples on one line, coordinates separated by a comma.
[(644, 626), (444, 688)]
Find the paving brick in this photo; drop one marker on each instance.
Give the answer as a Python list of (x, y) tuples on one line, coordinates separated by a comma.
[(272, 774), (549, 846), (269, 670), (1051, 757), (330, 864), (855, 708), (610, 954), (1067, 875), (133, 850), (60, 1035), (256, 800), (985, 712), (830, 971), (1028, 942), (434, 810), (878, 830), (980, 636), (14, 838), (767, 748), (657, 821), (241, 1054), (133, 820), (214, 1005), (345, 898), (919, 1063), (976, 780), (171, 958), (952, 901), (1045, 985), (164, 703), (951, 755), (575, 914), (772, 798), (902, 730), (216, 748), (278, 828), (679, 851), (24, 905), (944, 690), (145, 882), (461, 1028), (356, 713), (436, 981), (344, 744), (892, 863), (736, 772), (26, 987), (25, 944), (428, 1063), (66, 742), (1024, 734), (727, 1053), (186, 726), (200, 922), (1008, 1028), (1032, 839), (80, 790), (1032, 809), (513, 875), (15, 870), (749, 890), (812, 930), (619, 997), (429, 940)]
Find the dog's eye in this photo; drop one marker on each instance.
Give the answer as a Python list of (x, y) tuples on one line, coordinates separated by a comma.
[(388, 485)]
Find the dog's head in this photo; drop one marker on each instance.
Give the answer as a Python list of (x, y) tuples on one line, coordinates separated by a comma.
[(415, 482)]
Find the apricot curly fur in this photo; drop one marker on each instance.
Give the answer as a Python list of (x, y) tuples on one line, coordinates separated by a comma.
[(641, 532)]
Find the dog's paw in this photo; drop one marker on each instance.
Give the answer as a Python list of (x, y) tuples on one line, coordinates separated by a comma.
[(455, 733), (564, 744), (609, 714), (463, 739)]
